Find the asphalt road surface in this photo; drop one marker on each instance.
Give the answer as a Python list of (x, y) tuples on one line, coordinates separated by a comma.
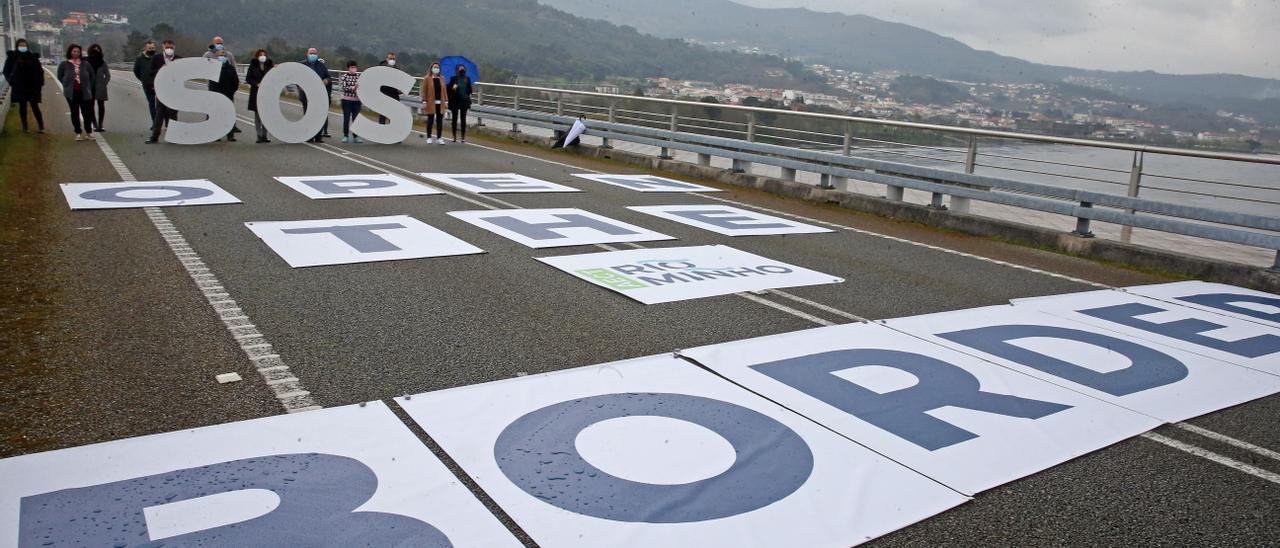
[(125, 343)]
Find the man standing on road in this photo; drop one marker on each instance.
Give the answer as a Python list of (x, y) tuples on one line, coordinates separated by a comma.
[(313, 61), (163, 113), (228, 83), (142, 71), (389, 91), (216, 51)]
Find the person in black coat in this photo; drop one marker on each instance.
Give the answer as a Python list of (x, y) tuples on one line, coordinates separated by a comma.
[(460, 89), (389, 91), (142, 71), (163, 113), (101, 81), (228, 83), (26, 81), (259, 66)]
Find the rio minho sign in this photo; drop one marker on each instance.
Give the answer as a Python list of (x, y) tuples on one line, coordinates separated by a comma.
[(171, 89)]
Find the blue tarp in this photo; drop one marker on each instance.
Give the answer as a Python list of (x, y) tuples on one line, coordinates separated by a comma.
[(448, 67)]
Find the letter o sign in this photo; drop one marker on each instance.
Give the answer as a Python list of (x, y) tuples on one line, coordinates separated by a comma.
[(537, 453), (309, 83)]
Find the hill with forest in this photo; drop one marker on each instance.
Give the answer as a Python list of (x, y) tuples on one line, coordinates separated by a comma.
[(521, 36), (864, 43)]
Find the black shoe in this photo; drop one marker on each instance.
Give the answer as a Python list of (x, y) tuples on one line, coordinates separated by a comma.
[(100, 130), (262, 141), (235, 129), (231, 138), (152, 141)]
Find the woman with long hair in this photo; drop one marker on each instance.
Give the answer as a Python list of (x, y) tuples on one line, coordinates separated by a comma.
[(76, 76), (101, 77), (435, 101), (258, 68)]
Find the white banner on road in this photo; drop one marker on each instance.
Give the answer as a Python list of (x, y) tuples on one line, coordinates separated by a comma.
[(346, 476), (540, 228), (729, 220), (646, 183), (1238, 302), (360, 240), (1218, 336), (189, 192), (497, 183), (680, 273), (322, 187), (1158, 380), (964, 422), (656, 452)]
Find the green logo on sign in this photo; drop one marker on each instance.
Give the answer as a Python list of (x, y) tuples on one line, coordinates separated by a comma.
[(610, 278)]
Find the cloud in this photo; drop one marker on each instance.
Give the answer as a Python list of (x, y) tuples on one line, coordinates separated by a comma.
[(1177, 36)]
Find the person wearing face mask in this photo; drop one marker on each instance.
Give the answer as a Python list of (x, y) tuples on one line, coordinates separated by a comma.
[(216, 46), (313, 61), (258, 68), (435, 101), (228, 83), (142, 71), (101, 78), (389, 91), (460, 88), (76, 76), (163, 113), (26, 81), (348, 84)]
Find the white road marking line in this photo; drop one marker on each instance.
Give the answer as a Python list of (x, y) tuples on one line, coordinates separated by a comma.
[(1239, 444), (819, 306), (785, 308), (1210, 455), (290, 394)]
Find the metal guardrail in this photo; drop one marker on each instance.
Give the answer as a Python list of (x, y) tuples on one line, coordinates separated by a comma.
[(744, 145)]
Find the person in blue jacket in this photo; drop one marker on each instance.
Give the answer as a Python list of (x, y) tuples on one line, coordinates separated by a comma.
[(313, 61)]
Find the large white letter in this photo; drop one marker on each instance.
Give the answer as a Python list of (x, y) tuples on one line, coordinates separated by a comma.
[(400, 118), (172, 90), (309, 83)]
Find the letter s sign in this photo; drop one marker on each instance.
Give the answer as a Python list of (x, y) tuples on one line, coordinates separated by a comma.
[(172, 90)]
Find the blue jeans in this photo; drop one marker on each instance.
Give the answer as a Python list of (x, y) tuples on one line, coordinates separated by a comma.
[(350, 110)]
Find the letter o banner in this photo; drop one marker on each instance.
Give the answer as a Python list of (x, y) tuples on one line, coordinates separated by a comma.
[(537, 453), (308, 83)]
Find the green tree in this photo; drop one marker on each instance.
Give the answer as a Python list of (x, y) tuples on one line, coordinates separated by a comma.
[(133, 45)]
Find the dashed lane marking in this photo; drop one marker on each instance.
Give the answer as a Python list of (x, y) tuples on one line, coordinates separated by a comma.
[(287, 388)]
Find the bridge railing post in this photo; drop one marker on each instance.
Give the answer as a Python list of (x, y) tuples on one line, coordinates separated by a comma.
[(675, 126), (742, 166), (480, 102), (515, 105), (1135, 184), (960, 204), (613, 117), (1082, 223)]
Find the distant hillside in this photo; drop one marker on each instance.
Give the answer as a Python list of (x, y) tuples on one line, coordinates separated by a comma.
[(521, 35), (863, 43)]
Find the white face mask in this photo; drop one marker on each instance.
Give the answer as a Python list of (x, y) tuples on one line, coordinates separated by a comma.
[(435, 70), (262, 58), (168, 51), (391, 62)]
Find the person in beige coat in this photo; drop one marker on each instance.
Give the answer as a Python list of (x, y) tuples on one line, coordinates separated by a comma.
[(435, 101)]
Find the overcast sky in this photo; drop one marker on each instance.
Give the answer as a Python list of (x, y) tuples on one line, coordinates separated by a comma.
[(1176, 36)]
